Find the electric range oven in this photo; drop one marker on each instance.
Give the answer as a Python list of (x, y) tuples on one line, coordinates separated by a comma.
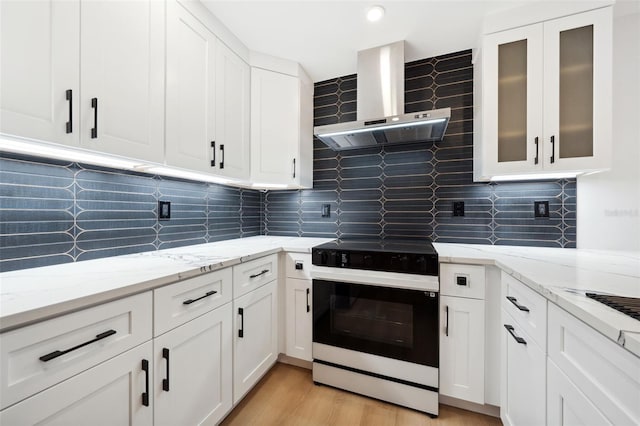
[(375, 320)]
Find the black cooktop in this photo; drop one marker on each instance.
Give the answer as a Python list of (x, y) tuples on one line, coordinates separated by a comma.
[(627, 305), (388, 255)]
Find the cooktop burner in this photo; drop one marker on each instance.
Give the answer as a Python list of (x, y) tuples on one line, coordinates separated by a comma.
[(627, 305)]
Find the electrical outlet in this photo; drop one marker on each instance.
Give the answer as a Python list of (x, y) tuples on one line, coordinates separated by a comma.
[(541, 208), (458, 208), (326, 210), (164, 210)]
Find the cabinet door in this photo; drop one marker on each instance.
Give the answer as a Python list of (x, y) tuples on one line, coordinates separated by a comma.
[(256, 337), (512, 93), (299, 324), (462, 348), (523, 378), (109, 394), (566, 404), (193, 371), (275, 103), (39, 63), (232, 114), (122, 68), (190, 120), (577, 91)]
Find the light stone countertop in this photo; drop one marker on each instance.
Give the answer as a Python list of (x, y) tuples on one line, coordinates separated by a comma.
[(563, 276), (31, 295)]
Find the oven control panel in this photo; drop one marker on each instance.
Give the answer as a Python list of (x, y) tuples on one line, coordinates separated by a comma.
[(408, 263)]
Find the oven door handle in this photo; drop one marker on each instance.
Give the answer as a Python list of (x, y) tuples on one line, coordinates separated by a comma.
[(446, 324)]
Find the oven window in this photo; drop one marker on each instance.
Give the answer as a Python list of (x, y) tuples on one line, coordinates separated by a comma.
[(390, 322)]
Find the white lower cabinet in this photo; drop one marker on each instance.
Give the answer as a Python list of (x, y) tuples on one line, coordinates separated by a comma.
[(299, 318), (111, 393), (566, 404), (462, 336), (193, 367), (256, 338), (523, 377)]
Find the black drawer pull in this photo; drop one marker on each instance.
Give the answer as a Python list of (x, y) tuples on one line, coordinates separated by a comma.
[(511, 331), (165, 382), (553, 149), (294, 168), (56, 354), (308, 306), (190, 301), (517, 305), (69, 96), (213, 151), (535, 160), (264, 271), (241, 331), (145, 394), (94, 130)]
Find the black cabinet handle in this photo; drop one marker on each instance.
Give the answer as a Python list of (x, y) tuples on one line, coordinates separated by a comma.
[(535, 161), (515, 302), (308, 307), (294, 168), (213, 150), (207, 294), (513, 334), (264, 271), (553, 149), (145, 394), (165, 382), (446, 324), (94, 130), (56, 354), (69, 96), (241, 331), (299, 266), (222, 153)]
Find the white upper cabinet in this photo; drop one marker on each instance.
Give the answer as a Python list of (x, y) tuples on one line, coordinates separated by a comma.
[(541, 85), (40, 70), (190, 116), (281, 128), (232, 116), (87, 73), (122, 78)]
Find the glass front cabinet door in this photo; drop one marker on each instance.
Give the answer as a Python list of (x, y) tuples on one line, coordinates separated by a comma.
[(547, 96)]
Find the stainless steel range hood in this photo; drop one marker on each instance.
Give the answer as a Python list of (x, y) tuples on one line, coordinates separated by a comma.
[(380, 110)]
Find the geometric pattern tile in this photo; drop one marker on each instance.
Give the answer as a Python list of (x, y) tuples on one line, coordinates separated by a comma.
[(55, 212), (408, 191)]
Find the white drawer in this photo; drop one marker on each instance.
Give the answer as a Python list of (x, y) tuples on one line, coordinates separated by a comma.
[(183, 301), (528, 308), (86, 338), (250, 275), (462, 280), (298, 265), (607, 374)]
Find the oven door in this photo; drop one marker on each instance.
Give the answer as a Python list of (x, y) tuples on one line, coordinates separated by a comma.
[(390, 322)]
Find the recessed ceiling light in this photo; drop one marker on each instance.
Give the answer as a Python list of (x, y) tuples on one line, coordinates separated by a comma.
[(375, 13)]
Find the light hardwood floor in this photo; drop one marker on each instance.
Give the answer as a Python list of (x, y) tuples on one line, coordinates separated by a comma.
[(287, 396)]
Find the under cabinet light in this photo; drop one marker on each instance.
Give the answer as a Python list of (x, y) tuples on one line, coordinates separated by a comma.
[(541, 176), (270, 185), (185, 174)]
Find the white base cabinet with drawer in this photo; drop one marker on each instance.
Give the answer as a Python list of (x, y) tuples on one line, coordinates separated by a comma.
[(115, 392), (256, 337), (193, 370)]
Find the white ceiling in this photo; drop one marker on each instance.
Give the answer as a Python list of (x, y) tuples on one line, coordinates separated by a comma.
[(324, 36)]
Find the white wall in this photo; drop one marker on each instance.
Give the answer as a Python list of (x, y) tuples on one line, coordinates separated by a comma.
[(608, 215)]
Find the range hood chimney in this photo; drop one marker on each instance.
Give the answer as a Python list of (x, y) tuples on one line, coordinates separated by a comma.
[(380, 110)]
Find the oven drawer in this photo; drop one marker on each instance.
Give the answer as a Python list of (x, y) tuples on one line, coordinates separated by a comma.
[(177, 303), (28, 359), (298, 265), (528, 308), (462, 280), (253, 274)]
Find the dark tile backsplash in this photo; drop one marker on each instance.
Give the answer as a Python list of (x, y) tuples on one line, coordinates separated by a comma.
[(408, 191), (56, 212)]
